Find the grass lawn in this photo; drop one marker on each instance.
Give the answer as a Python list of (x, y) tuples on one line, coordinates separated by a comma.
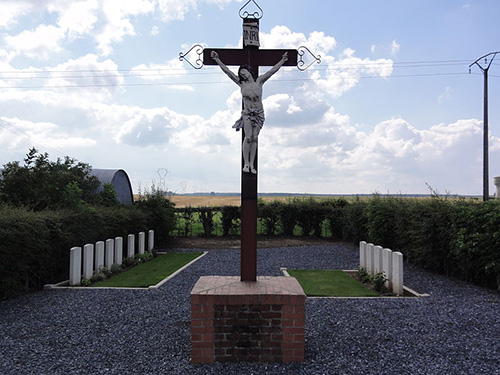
[(149, 273), (330, 283)]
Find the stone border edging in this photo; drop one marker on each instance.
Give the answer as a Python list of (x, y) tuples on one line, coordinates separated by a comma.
[(65, 284), (408, 292)]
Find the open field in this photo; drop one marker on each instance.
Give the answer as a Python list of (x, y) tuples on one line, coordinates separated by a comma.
[(235, 200), (197, 201)]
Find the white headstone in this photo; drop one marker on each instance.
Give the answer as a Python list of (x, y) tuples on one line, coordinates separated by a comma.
[(377, 257), (142, 242), (88, 261), (130, 245), (75, 266), (99, 255), (118, 250), (151, 240), (109, 256), (496, 180), (397, 273), (362, 254), (387, 266), (370, 261)]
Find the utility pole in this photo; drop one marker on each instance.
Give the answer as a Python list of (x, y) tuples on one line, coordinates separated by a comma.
[(484, 69)]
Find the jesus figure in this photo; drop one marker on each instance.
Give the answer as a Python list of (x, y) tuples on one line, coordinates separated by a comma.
[(252, 115)]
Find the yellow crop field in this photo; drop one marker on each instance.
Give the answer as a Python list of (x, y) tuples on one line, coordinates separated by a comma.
[(234, 200), (209, 200)]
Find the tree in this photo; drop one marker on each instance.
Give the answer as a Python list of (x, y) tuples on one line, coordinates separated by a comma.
[(42, 184)]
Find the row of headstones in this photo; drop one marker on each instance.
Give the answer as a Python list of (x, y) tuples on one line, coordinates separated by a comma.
[(104, 254), (376, 259)]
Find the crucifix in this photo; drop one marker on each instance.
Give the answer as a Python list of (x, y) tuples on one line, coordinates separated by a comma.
[(249, 59)]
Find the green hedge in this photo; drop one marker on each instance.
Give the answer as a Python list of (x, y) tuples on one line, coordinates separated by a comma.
[(457, 237), (460, 238), (34, 246)]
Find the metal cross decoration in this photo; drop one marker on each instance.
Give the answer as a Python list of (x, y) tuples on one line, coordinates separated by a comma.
[(249, 58)]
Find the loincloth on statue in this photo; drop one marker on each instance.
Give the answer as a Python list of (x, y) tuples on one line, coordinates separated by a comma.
[(256, 118)]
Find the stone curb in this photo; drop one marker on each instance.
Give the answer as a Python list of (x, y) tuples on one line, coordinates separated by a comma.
[(65, 284), (408, 292)]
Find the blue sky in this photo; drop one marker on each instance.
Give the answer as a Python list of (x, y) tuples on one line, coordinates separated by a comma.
[(391, 107)]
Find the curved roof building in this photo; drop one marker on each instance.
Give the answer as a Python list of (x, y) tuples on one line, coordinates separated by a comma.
[(120, 181)]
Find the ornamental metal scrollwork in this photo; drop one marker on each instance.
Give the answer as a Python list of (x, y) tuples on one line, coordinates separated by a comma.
[(256, 14), (301, 64), (198, 63)]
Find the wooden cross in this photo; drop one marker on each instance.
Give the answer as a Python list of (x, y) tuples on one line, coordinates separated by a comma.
[(251, 55)]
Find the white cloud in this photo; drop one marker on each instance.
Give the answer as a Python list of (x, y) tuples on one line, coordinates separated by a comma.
[(117, 18), (20, 135), (172, 70), (175, 9), (445, 95), (11, 10), (76, 17), (283, 37), (154, 31), (394, 47), (40, 43), (343, 74)]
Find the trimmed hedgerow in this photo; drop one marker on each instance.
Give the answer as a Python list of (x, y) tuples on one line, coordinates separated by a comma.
[(34, 246), (457, 237)]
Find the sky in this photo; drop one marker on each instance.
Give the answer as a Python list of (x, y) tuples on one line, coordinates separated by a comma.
[(391, 108)]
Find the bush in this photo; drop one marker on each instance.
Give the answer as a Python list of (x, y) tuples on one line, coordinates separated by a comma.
[(42, 184), (269, 213), (160, 213), (230, 219)]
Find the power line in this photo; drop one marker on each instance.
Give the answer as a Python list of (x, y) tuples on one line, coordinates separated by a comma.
[(341, 63), (21, 133), (193, 83), (153, 73)]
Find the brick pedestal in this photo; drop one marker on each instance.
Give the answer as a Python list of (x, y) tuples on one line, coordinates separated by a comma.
[(262, 321)]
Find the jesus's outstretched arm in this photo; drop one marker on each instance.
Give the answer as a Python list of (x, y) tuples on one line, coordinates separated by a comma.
[(225, 69), (264, 77)]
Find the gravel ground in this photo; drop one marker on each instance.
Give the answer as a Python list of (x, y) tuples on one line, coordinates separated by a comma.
[(454, 331)]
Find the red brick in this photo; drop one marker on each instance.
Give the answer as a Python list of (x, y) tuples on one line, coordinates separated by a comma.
[(196, 323), (299, 353), (202, 345), (293, 316), (292, 330), (299, 323), (208, 323), (196, 337), (299, 338), (209, 337), (293, 345), (202, 315), (201, 330), (270, 315)]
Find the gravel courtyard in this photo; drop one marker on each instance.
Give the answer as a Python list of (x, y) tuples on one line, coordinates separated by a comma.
[(456, 330)]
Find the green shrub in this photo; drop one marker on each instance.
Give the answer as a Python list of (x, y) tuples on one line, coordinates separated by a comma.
[(160, 213), (207, 219), (288, 217), (230, 219), (115, 268), (142, 258), (378, 282), (269, 213)]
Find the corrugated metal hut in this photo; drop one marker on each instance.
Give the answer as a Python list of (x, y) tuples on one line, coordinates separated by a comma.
[(120, 181)]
